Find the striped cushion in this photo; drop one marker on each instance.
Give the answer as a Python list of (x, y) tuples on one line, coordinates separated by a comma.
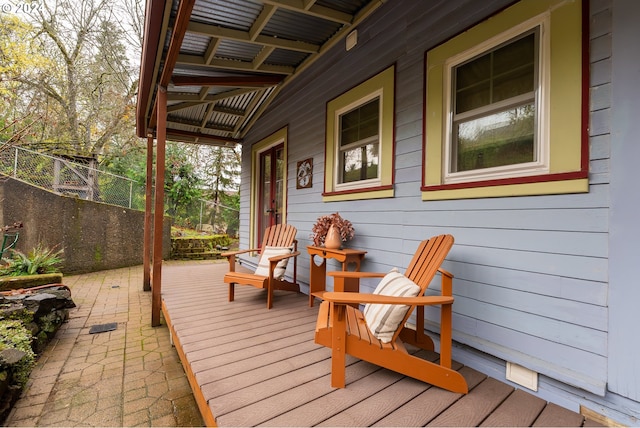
[(281, 267), (383, 320)]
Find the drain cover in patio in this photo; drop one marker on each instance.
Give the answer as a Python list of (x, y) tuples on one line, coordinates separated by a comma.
[(101, 328)]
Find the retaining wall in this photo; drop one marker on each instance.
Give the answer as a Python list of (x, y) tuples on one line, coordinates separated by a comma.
[(94, 236)]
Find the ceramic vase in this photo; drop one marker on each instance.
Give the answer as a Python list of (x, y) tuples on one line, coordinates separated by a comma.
[(332, 240)]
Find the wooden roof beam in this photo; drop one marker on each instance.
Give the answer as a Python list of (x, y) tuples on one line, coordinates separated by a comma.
[(245, 36), (235, 81), (261, 21), (310, 8), (227, 64), (192, 100)]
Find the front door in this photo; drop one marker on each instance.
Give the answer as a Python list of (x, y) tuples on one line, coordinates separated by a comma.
[(271, 189)]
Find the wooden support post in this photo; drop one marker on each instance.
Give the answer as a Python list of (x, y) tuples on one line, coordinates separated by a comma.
[(146, 258), (158, 214)]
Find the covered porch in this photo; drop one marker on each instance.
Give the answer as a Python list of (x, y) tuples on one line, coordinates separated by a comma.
[(249, 366)]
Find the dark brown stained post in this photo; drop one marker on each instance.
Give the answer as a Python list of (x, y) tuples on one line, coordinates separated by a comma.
[(158, 214), (146, 258)]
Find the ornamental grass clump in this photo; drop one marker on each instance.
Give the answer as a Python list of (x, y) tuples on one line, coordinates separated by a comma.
[(320, 229), (38, 261)]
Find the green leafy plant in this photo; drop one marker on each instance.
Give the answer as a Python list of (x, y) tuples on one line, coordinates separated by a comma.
[(13, 334), (37, 261)]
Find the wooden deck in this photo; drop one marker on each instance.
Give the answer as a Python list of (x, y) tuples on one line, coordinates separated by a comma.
[(251, 366)]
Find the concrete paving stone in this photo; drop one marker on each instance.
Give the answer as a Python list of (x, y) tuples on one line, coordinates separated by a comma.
[(135, 394), (161, 408), (30, 412), (139, 418), (164, 421), (32, 400), (152, 356), (135, 354), (112, 401), (43, 386), (81, 411), (157, 390), (42, 371), (133, 366), (85, 396), (69, 377), (111, 417), (139, 404), (53, 417), (187, 413), (178, 383), (177, 394), (154, 379), (138, 375), (130, 384)]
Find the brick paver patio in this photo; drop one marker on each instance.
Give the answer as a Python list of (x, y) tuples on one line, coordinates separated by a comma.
[(130, 376)]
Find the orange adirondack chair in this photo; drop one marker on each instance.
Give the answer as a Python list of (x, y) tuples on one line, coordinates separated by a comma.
[(343, 328), (279, 245)]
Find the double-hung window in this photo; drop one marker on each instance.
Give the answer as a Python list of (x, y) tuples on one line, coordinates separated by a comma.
[(360, 133), (504, 106), (494, 110), (359, 147)]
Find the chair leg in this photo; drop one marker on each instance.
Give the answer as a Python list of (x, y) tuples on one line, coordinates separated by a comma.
[(269, 294), (231, 291), (338, 343)]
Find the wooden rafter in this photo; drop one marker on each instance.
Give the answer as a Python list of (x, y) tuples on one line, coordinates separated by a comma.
[(235, 81)]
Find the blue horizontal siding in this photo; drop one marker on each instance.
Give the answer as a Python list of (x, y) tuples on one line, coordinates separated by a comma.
[(531, 273)]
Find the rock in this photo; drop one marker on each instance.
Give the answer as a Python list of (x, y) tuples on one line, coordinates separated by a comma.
[(11, 356)]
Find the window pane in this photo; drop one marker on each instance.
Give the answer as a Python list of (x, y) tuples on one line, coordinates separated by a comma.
[(360, 163), (504, 138), (498, 75), (360, 123), (513, 54), (473, 97)]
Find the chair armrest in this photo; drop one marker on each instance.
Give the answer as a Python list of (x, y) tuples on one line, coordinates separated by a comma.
[(347, 297), (349, 274), (276, 259), (234, 253), (445, 272)]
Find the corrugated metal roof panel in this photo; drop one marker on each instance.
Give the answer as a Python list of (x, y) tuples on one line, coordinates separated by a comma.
[(235, 14), (346, 6), (295, 26), (286, 57), (194, 44), (233, 49)]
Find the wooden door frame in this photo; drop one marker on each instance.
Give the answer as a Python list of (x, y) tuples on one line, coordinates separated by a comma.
[(275, 139)]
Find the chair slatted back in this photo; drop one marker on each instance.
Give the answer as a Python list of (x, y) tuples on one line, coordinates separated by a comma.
[(424, 265), (279, 235)]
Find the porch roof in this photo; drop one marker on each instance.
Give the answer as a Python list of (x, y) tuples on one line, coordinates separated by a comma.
[(223, 62)]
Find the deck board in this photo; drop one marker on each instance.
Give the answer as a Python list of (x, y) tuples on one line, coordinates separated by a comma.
[(251, 366)]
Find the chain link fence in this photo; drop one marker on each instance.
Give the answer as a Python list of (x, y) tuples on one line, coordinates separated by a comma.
[(208, 217), (74, 179), (70, 178)]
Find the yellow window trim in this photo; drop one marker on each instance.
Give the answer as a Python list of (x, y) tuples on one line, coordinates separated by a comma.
[(565, 103), (274, 139), (385, 83)]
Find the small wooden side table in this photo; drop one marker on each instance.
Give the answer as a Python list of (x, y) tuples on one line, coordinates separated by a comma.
[(318, 277)]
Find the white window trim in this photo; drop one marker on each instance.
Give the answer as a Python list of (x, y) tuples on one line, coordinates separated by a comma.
[(539, 167), (360, 184)]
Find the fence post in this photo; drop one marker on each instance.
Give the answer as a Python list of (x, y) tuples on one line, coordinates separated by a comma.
[(201, 203), (15, 164), (130, 194)]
